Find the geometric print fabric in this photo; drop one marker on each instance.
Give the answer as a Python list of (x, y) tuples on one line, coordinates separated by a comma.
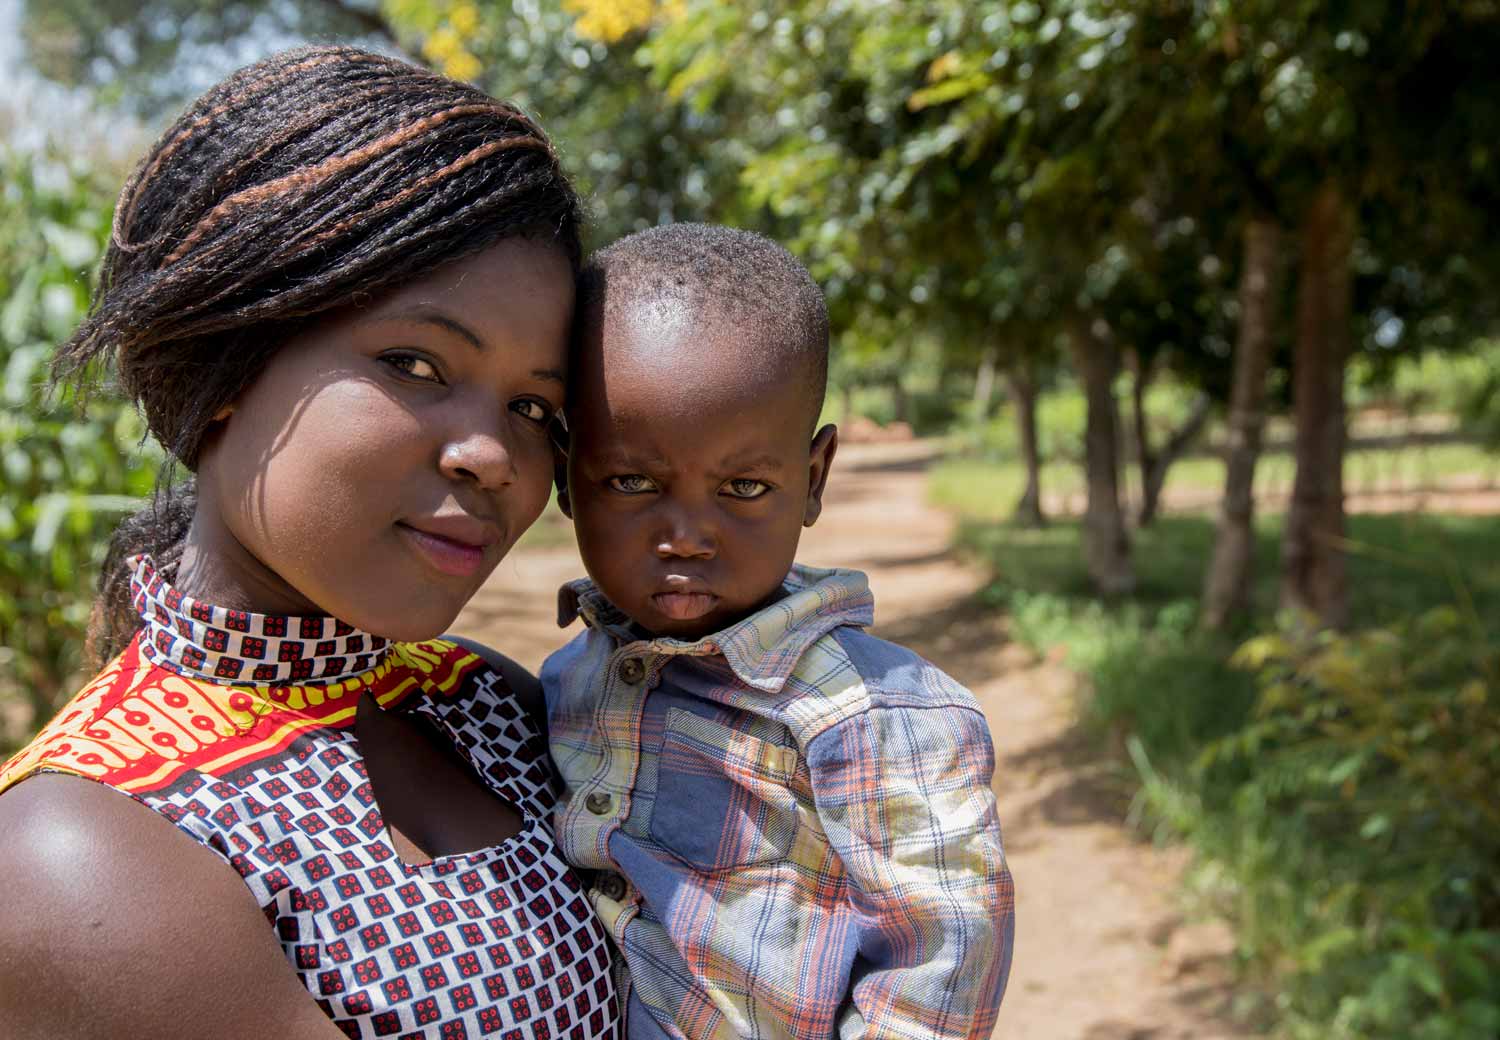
[(499, 942), (191, 637)]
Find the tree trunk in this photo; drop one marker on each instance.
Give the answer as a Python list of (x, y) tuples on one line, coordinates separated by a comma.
[(1231, 574), (984, 385), (1023, 393), (1106, 546), (1141, 372), (1312, 557), (900, 401), (1154, 464), (1154, 476)]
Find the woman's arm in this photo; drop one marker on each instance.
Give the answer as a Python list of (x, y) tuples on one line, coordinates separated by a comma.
[(116, 923)]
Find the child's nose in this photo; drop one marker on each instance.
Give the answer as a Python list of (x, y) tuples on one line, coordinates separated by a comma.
[(685, 534)]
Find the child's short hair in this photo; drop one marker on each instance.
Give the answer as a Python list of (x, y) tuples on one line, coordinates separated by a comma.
[(727, 275)]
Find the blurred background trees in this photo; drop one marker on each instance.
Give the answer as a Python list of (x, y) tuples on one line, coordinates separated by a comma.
[(1165, 274)]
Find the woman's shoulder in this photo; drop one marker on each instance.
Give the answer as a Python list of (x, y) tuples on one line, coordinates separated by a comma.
[(119, 922)]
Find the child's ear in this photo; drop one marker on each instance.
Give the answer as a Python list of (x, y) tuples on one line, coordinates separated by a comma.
[(820, 460)]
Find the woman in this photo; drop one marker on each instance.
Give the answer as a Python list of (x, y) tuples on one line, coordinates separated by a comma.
[(339, 289)]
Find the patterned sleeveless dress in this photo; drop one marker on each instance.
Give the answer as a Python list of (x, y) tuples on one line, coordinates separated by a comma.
[(239, 729)]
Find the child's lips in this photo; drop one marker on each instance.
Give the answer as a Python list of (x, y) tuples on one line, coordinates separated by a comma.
[(684, 606)]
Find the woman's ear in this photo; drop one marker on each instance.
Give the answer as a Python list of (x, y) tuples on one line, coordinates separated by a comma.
[(223, 413), (560, 479), (559, 432), (819, 460)]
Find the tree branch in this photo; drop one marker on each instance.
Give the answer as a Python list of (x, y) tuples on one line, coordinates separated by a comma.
[(368, 19)]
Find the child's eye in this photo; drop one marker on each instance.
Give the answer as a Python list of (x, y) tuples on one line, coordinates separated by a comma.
[(631, 484), (537, 411), (414, 365), (744, 487)]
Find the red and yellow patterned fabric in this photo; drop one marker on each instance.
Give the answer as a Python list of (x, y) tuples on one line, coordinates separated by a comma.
[(499, 941)]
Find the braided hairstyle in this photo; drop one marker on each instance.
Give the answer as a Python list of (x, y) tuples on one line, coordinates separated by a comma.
[(307, 181)]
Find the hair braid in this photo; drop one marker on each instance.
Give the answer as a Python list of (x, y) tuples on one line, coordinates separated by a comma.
[(284, 192)]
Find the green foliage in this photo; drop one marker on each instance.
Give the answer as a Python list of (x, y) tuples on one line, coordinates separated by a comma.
[(1152, 675), (1338, 789), (66, 476), (1362, 841), (150, 56), (639, 158), (1426, 383), (1471, 388)]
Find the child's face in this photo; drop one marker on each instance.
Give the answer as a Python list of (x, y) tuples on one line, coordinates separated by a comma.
[(690, 472), (386, 459)]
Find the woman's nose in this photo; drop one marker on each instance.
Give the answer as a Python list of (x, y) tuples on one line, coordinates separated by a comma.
[(481, 454), (686, 534)]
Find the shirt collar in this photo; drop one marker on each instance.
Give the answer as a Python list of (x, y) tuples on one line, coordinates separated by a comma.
[(202, 641), (764, 648)]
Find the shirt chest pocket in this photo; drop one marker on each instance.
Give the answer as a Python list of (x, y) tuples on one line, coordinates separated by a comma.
[(722, 797)]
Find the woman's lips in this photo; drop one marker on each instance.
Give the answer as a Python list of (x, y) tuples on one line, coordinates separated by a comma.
[(684, 606), (461, 559)]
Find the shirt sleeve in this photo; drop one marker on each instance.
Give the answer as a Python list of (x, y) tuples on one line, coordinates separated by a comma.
[(904, 797)]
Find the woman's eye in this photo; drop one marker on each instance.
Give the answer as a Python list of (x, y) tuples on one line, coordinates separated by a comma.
[(414, 365), (631, 484), (744, 487), (536, 411)]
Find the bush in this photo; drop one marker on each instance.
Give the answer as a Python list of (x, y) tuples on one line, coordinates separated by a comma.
[(66, 476), (1339, 790), (1361, 844)]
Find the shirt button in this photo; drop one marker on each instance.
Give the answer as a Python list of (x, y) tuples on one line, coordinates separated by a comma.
[(611, 886), (597, 803), (632, 670)]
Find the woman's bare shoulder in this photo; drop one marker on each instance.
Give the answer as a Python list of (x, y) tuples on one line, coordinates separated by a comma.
[(118, 922)]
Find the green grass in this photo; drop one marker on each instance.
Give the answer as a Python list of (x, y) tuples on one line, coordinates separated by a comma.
[(986, 489), (1152, 674), (1398, 563), (1340, 932)]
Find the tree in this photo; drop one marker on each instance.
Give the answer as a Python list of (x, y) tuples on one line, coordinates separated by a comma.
[(1313, 572), (118, 49), (1228, 579), (67, 474)]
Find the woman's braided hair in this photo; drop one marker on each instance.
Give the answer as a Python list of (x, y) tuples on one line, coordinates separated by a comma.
[(316, 178)]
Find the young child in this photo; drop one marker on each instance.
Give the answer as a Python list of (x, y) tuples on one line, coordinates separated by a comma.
[(791, 820)]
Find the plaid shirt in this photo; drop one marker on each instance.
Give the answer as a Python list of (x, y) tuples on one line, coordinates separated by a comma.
[(791, 821)]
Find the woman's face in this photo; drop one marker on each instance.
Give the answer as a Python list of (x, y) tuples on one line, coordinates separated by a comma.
[(387, 459)]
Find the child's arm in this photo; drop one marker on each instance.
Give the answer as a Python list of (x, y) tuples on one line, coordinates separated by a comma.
[(904, 797)]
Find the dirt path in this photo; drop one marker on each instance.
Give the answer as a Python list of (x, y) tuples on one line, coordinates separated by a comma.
[(1101, 952)]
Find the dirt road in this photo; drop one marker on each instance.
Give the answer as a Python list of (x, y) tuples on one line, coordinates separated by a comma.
[(1102, 952)]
